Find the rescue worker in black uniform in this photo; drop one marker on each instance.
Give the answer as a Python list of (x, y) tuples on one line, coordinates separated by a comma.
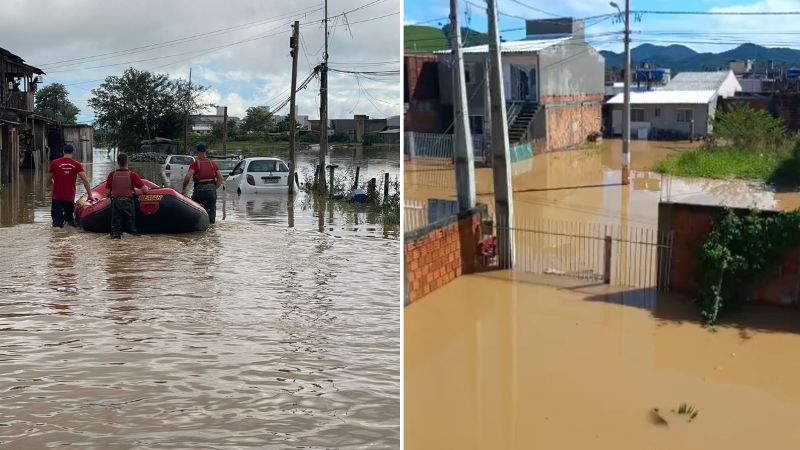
[(207, 179), (120, 184)]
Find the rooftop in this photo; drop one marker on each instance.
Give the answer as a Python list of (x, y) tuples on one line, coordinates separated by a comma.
[(664, 97), (524, 46), (696, 81)]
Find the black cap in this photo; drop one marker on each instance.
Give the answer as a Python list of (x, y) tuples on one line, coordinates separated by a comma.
[(200, 148), (69, 148)]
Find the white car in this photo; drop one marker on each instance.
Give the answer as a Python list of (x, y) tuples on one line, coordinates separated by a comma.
[(177, 164), (254, 175)]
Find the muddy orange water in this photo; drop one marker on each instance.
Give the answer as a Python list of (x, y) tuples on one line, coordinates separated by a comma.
[(276, 328), (584, 185), (537, 364)]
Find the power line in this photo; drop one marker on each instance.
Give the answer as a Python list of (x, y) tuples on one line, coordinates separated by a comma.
[(537, 9)]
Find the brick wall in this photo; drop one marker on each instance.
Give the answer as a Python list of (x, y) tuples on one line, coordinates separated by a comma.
[(690, 225), (440, 252), (569, 124)]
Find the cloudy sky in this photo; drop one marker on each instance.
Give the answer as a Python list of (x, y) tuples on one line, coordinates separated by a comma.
[(703, 33), (239, 49)]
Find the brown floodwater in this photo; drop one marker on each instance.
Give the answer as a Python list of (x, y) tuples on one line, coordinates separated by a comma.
[(276, 328), (537, 363), (584, 185)]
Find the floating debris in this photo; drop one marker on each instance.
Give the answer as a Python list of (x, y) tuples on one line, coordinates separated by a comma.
[(148, 157), (687, 411), (657, 418)]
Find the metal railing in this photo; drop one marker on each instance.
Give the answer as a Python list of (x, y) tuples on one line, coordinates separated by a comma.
[(415, 215), (615, 254), (438, 147)]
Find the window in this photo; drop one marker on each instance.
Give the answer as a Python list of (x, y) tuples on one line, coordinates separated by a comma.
[(238, 169), (476, 124), (468, 73), (657, 112), (226, 164), (267, 165), (637, 115), (685, 115), (185, 160)]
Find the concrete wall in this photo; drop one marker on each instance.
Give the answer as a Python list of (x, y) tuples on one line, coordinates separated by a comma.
[(571, 68), (690, 225), (438, 253), (667, 119)]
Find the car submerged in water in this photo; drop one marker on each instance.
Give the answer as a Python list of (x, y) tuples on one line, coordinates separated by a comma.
[(262, 174), (226, 164)]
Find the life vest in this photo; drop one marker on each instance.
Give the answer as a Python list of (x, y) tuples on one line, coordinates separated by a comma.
[(205, 172), (121, 184)]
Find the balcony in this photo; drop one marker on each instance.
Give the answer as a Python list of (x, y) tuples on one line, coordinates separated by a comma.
[(19, 100)]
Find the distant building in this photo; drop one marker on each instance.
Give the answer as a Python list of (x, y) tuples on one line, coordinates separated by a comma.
[(683, 108), (204, 123), (360, 125)]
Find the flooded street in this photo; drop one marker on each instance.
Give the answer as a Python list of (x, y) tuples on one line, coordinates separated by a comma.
[(539, 363), (276, 328), (584, 185)]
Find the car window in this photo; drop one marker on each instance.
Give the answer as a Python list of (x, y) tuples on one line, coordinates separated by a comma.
[(282, 167), (178, 159), (238, 169), (226, 164), (263, 165)]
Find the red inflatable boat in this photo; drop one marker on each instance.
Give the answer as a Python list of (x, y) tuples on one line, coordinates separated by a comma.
[(161, 210)]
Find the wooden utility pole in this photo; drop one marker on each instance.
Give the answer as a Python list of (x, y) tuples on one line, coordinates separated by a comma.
[(323, 107), (225, 131), (293, 44), (501, 157), (186, 126), (462, 138)]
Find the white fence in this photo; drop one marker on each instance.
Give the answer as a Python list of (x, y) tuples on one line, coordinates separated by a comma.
[(415, 215), (439, 146)]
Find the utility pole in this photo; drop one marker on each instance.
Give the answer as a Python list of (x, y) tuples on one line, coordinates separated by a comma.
[(225, 132), (626, 111), (462, 138), (186, 126), (501, 156), (323, 109), (292, 115)]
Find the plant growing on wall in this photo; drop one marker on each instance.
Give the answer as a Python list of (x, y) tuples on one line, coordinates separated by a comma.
[(737, 251)]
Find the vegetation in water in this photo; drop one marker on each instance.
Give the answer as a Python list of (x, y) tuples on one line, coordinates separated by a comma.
[(738, 250), (747, 144)]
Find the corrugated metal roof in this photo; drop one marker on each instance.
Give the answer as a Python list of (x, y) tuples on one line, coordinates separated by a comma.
[(696, 81), (662, 97), (525, 46)]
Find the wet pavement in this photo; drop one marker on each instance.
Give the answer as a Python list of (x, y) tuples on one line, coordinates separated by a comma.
[(585, 185), (261, 332), (542, 362)]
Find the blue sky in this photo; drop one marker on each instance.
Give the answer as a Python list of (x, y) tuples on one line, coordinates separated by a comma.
[(251, 65), (702, 33)]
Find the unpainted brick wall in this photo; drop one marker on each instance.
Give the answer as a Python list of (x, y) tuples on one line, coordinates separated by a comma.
[(570, 120), (690, 225), (441, 255)]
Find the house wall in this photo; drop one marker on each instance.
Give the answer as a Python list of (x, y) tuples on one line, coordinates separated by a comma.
[(667, 120), (730, 86), (570, 68), (424, 111), (82, 138), (571, 120)]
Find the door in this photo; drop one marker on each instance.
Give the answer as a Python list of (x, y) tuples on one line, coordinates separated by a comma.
[(523, 83), (236, 174)]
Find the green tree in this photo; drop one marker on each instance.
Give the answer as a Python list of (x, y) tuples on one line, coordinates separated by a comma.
[(747, 129), (53, 101), (142, 105), (257, 120), (217, 128)]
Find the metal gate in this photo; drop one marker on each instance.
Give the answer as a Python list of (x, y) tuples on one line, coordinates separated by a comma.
[(621, 255)]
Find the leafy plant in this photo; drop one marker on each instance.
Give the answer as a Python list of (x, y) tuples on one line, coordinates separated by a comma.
[(737, 251), (744, 127)]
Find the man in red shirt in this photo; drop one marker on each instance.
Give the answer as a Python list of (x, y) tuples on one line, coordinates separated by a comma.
[(120, 184), (64, 172), (207, 179)]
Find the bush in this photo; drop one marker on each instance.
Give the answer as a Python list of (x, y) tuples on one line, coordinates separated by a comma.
[(745, 128)]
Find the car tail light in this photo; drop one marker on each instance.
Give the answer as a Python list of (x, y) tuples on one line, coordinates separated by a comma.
[(251, 181), (166, 168)]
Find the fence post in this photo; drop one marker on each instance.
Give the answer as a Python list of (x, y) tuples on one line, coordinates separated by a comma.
[(607, 260), (412, 148), (385, 187)]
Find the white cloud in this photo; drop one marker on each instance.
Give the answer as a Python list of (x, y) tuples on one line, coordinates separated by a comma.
[(245, 74)]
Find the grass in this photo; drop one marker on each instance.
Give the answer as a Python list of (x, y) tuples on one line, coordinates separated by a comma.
[(722, 163)]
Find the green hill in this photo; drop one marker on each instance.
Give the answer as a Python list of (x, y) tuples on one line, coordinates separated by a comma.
[(424, 39)]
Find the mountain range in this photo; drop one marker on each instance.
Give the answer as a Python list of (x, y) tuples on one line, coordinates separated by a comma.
[(682, 58)]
